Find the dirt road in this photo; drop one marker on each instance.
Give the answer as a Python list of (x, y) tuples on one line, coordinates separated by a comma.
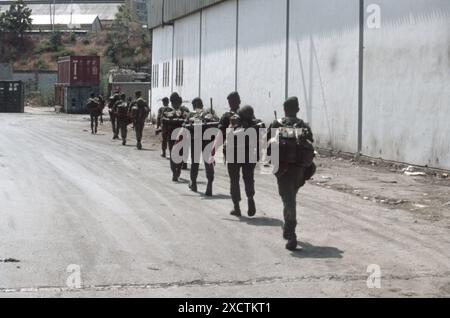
[(70, 198)]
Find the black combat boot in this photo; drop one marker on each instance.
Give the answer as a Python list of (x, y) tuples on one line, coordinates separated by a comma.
[(193, 186), (290, 236), (237, 210), (163, 154), (292, 245), (251, 207), (209, 189), (139, 146), (124, 142)]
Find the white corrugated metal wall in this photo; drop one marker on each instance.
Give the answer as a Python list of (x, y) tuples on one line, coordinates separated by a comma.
[(161, 56), (262, 55), (405, 104), (218, 54), (407, 83), (323, 69)]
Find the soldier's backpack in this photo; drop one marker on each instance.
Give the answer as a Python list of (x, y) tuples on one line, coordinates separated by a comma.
[(295, 143), (238, 130), (173, 118), (122, 109), (205, 119), (92, 104)]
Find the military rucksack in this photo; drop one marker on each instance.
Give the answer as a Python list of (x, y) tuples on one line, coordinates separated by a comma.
[(173, 118), (122, 109), (205, 119), (295, 143)]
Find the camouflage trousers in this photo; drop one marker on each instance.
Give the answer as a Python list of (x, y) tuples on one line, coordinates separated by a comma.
[(290, 180), (139, 129), (248, 174), (114, 124), (196, 158)]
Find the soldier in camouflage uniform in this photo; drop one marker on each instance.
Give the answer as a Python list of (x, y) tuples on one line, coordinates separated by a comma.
[(198, 122), (173, 118), (122, 112), (113, 114), (296, 166), (93, 106), (160, 128), (240, 123), (139, 114)]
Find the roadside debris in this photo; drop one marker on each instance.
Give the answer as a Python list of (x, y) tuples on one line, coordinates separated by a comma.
[(411, 171), (9, 260)]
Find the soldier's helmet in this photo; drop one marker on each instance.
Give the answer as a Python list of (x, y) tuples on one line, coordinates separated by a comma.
[(175, 99), (234, 96), (246, 113), (123, 96), (197, 103), (292, 105)]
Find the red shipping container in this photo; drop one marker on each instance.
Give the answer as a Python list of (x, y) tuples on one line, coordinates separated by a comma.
[(79, 70)]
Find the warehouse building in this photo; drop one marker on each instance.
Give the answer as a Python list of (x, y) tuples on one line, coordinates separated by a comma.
[(372, 76)]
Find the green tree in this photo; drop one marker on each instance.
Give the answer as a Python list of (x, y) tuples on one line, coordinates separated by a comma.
[(128, 43), (17, 20)]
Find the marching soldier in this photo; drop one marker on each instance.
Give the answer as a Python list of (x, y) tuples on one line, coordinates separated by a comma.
[(234, 101), (161, 129), (101, 100), (199, 121), (121, 108), (113, 113), (139, 113), (174, 118), (93, 106), (246, 156), (296, 166)]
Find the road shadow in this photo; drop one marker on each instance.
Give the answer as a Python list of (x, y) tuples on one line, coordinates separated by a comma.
[(215, 197), (307, 250), (258, 221), (182, 181)]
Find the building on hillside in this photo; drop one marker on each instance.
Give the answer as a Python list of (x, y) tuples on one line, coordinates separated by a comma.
[(372, 77), (105, 10), (139, 8), (74, 22)]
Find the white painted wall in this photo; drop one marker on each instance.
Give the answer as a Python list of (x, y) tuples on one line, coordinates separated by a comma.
[(162, 53), (323, 69), (218, 54), (262, 55), (407, 83), (187, 48)]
